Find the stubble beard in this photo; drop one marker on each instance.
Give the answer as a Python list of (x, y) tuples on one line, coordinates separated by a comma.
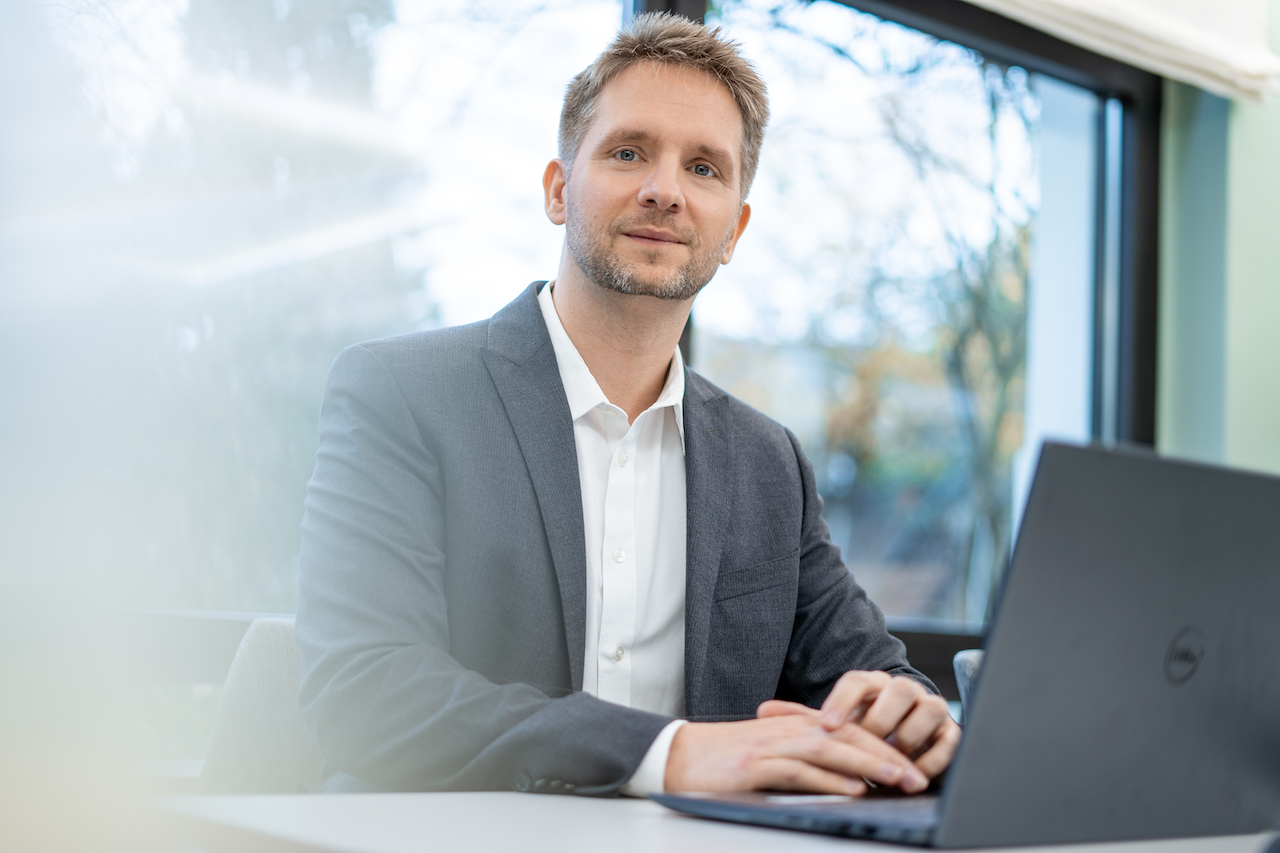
[(606, 270)]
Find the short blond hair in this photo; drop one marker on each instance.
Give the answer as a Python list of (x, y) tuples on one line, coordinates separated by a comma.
[(670, 40)]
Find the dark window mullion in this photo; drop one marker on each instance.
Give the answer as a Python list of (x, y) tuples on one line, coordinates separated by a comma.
[(1139, 253), (693, 9)]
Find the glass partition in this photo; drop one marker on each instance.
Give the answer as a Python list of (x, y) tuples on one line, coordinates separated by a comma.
[(204, 201)]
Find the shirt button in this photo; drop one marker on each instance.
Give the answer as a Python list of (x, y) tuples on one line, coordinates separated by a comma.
[(622, 460), (618, 653), (619, 555)]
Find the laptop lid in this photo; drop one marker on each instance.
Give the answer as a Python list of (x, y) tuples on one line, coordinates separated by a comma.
[(1131, 685)]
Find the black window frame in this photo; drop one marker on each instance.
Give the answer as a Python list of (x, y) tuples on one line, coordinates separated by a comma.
[(1124, 359)]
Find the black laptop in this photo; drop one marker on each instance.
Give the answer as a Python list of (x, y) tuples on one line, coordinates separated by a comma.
[(1131, 686)]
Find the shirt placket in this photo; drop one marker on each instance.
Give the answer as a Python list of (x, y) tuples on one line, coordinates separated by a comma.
[(618, 563)]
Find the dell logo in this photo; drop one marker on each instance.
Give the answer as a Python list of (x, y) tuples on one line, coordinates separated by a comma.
[(1184, 655)]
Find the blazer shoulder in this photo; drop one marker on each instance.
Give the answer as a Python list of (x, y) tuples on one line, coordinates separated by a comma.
[(431, 342), (435, 352), (516, 331)]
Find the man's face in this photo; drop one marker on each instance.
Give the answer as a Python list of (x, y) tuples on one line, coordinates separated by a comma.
[(653, 204)]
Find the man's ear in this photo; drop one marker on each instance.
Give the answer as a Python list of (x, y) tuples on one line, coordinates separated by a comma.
[(553, 185), (743, 217)]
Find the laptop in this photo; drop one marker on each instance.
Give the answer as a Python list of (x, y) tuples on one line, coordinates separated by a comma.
[(1131, 683)]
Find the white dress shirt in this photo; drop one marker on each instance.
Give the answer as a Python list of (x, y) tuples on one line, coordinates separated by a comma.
[(633, 513)]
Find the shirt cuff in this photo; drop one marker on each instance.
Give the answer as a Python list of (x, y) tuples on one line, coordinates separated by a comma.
[(650, 776)]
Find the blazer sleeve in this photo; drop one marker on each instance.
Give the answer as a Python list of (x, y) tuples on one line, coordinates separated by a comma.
[(837, 627), (379, 689)]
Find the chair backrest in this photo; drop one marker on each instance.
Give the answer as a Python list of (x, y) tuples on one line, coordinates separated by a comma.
[(966, 664), (259, 743)]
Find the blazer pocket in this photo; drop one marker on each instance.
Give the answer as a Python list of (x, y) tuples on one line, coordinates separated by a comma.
[(758, 577)]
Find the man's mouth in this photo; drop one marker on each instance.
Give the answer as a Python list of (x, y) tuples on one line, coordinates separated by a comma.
[(653, 236)]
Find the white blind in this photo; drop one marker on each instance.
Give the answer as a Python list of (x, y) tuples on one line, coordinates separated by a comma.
[(1219, 45)]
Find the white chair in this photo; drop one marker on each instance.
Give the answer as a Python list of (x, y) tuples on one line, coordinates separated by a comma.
[(259, 743)]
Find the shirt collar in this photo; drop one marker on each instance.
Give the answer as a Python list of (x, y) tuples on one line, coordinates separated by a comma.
[(581, 388)]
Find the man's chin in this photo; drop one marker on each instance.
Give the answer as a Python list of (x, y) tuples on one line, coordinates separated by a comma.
[(665, 289), (661, 282)]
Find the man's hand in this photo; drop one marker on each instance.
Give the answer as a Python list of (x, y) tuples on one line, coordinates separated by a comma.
[(786, 751), (895, 708)]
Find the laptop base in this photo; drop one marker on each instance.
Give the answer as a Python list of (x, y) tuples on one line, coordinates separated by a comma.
[(902, 820)]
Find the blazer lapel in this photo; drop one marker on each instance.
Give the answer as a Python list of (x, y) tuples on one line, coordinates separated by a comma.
[(707, 511), (521, 361)]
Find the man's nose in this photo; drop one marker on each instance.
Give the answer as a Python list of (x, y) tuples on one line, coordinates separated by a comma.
[(663, 186)]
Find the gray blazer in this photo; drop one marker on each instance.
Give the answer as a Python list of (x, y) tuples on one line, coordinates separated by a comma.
[(442, 603)]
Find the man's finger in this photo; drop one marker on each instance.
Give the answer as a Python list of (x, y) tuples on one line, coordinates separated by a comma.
[(852, 690), (789, 774), (937, 757), (860, 738), (892, 704), (922, 725), (836, 755), (863, 740), (782, 708)]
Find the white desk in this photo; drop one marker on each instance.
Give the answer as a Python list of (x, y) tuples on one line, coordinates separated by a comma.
[(493, 822)]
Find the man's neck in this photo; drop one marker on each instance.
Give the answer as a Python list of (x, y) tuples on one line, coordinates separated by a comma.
[(626, 341)]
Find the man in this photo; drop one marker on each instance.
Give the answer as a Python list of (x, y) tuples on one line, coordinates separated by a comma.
[(540, 554)]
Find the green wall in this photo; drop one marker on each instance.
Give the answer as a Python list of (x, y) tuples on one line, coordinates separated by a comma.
[(1219, 395), (1193, 244), (1252, 412)]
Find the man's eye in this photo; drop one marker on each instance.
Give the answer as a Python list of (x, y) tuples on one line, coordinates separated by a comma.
[(627, 155), (703, 170)]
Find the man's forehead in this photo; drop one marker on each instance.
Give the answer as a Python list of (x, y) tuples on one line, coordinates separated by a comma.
[(677, 88)]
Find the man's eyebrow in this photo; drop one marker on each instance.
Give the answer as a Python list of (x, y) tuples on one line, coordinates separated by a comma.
[(619, 136)]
